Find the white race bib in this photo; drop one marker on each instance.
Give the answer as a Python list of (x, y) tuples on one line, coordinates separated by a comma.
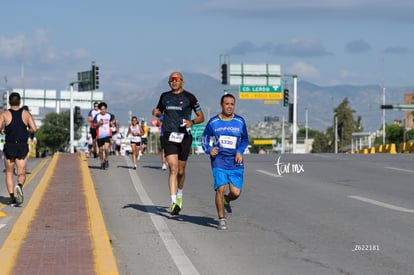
[(228, 142), (176, 137)]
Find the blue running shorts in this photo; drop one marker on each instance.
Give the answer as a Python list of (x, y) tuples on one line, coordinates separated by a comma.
[(224, 176)]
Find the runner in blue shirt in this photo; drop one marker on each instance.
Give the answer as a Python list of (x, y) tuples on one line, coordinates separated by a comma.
[(225, 138)]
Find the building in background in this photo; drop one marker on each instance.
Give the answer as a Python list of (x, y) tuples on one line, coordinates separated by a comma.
[(408, 115)]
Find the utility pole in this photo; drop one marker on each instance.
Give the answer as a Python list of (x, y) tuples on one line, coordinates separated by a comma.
[(383, 116), (336, 135), (72, 121), (295, 113), (306, 130), (283, 136)]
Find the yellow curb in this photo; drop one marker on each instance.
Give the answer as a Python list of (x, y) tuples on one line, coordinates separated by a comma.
[(2, 214), (11, 246), (105, 262)]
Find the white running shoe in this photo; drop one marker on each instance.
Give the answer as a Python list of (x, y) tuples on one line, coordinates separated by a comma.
[(18, 194), (164, 166), (222, 224)]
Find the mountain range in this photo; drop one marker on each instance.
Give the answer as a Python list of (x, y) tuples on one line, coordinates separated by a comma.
[(316, 101)]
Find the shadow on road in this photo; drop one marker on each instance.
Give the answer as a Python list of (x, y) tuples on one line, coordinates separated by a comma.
[(163, 211), (158, 167)]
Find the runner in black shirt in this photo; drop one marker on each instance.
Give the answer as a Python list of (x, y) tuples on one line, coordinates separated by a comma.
[(17, 123), (177, 106)]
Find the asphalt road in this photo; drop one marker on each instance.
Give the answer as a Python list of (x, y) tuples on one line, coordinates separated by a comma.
[(298, 214)]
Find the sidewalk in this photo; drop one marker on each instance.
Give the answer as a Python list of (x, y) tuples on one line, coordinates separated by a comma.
[(61, 228)]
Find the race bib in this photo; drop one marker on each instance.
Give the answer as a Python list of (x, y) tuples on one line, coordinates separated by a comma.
[(228, 142), (176, 137)]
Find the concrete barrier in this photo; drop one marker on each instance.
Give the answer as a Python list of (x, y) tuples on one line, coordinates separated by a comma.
[(392, 149), (380, 148)]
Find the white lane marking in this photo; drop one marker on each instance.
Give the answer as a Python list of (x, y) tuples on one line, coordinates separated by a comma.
[(2, 225), (322, 155), (183, 263), (382, 204), (269, 173), (400, 169)]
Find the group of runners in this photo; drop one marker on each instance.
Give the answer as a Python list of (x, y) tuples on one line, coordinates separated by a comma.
[(225, 139)]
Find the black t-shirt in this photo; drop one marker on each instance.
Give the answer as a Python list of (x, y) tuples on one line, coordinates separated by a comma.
[(177, 107)]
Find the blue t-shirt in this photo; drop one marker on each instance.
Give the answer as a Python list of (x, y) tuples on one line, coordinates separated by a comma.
[(230, 136)]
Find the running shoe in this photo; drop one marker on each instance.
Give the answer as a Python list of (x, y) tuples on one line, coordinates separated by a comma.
[(222, 224), (103, 165), (135, 167), (18, 192), (13, 202), (227, 206), (164, 166), (175, 209), (179, 202), (106, 164)]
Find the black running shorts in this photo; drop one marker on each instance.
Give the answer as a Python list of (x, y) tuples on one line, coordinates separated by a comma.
[(181, 149), (102, 141), (16, 150)]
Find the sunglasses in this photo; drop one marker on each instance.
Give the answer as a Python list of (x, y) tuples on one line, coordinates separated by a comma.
[(176, 79)]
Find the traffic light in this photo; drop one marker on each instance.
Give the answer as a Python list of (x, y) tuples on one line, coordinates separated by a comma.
[(224, 79), (95, 77), (76, 114), (285, 98), (290, 117)]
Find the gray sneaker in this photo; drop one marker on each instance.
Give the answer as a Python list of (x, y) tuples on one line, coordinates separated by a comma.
[(19, 194), (222, 224)]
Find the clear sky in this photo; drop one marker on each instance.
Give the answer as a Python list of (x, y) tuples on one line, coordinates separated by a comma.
[(44, 43)]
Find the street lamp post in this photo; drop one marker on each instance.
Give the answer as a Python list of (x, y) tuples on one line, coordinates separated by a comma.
[(72, 121)]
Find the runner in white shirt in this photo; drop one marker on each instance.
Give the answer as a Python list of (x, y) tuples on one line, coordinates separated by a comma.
[(135, 132), (103, 123)]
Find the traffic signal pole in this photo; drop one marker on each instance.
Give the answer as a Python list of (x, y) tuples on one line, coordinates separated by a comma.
[(72, 122), (71, 119), (295, 113)]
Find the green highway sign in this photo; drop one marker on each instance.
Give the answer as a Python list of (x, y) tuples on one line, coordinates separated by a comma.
[(260, 92), (197, 131)]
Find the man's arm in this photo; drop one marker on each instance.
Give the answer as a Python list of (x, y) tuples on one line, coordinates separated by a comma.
[(2, 122), (28, 118), (90, 117), (199, 117)]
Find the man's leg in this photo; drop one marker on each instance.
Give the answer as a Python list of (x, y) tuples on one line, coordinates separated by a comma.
[(107, 146), (181, 174), (172, 181), (9, 165), (172, 161), (233, 194), (21, 165), (220, 201)]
